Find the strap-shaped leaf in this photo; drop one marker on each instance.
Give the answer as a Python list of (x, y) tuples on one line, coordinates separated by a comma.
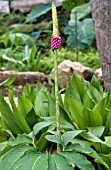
[(19, 116), (8, 116), (24, 105)]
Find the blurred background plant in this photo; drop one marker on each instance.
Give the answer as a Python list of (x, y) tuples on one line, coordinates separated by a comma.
[(25, 38)]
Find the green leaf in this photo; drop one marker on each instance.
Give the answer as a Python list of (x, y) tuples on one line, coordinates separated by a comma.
[(32, 161), (40, 126), (21, 139), (41, 103), (81, 11), (72, 40), (18, 115), (102, 108), (97, 131), (76, 110), (31, 93), (90, 118), (36, 35), (82, 116), (83, 148), (73, 92), (9, 159), (10, 59), (54, 138), (65, 125), (27, 158), (86, 31), (88, 101), (84, 35), (91, 137), (68, 136), (41, 162), (42, 143), (96, 83), (94, 93), (78, 159), (24, 105), (8, 116), (51, 106), (81, 141), (40, 10), (107, 159), (58, 162), (31, 118), (3, 145), (108, 141), (77, 84), (8, 82)]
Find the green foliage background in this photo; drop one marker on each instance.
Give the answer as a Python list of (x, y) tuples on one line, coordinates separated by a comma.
[(16, 51)]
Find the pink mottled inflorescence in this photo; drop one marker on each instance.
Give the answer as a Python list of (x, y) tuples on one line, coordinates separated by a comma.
[(55, 42)]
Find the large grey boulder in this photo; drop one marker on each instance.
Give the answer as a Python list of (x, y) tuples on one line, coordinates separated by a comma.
[(67, 68)]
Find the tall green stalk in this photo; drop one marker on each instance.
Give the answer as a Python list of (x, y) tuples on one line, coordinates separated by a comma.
[(57, 98)]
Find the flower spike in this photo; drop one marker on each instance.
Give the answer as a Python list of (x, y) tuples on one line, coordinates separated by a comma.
[(55, 21), (55, 38)]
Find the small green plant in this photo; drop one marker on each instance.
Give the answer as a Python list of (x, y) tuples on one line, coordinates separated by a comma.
[(11, 39), (20, 59)]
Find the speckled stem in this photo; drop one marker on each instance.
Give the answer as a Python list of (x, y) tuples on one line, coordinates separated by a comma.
[(57, 98)]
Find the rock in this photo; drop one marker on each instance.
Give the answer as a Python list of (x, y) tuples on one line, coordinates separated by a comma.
[(98, 74), (4, 7), (67, 68), (21, 79), (27, 5)]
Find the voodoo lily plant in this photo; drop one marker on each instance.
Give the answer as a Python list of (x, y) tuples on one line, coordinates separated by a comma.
[(55, 44), (41, 131)]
